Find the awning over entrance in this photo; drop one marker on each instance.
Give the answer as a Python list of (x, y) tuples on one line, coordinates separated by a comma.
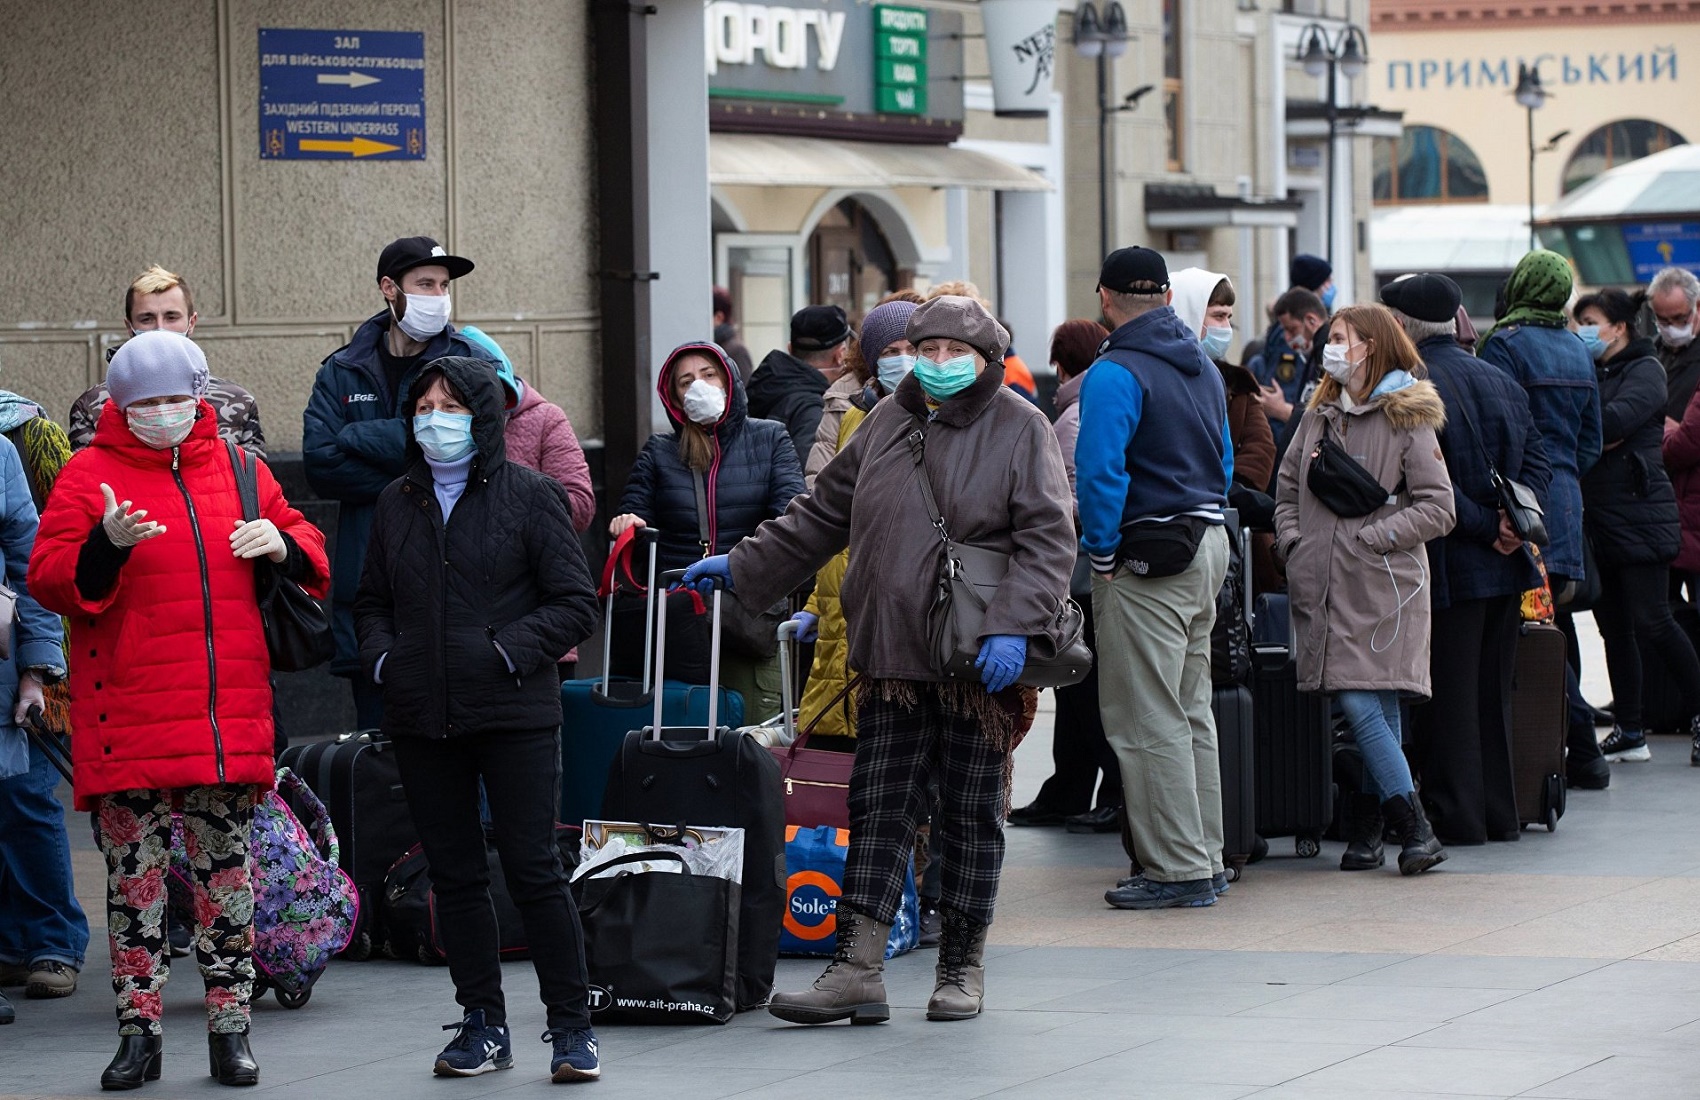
[(1198, 206), (759, 160)]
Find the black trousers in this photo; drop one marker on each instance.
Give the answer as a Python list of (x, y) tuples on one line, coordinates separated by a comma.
[(1080, 752), (522, 775), (1463, 734), (1634, 617)]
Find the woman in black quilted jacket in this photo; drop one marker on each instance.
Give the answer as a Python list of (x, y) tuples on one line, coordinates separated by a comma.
[(474, 586), (749, 472)]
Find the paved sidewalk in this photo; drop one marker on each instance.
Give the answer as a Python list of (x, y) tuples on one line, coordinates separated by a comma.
[(1563, 966)]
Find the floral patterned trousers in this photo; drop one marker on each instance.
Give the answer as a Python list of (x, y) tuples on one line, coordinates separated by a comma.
[(135, 834)]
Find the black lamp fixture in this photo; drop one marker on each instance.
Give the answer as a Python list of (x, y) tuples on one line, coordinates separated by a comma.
[(1103, 38), (1532, 96), (1320, 54)]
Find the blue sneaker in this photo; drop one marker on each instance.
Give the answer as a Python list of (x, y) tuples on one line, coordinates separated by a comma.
[(1218, 882), (1143, 893), (476, 1048), (575, 1055)]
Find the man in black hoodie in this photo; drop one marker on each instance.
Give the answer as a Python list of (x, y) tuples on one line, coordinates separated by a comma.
[(789, 386)]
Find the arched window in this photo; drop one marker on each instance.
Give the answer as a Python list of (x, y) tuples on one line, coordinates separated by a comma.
[(1617, 143), (1428, 164)]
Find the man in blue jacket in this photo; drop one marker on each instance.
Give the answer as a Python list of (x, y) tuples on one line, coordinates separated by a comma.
[(354, 432), (1152, 467), (1478, 574)]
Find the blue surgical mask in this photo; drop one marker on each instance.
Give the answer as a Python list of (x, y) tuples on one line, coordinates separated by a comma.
[(1216, 340), (444, 437), (1328, 297), (945, 380), (893, 369), (1590, 335)]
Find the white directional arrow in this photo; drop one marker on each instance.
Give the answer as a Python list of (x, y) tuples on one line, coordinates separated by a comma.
[(352, 80)]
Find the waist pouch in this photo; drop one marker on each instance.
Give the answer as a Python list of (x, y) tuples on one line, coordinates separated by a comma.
[(1340, 482), (1162, 549)]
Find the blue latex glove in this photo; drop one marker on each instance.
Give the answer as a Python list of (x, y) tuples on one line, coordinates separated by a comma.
[(808, 626), (702, 575), (1001, 659)]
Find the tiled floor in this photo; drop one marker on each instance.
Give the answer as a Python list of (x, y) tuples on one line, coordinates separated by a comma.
[(1563, 966)]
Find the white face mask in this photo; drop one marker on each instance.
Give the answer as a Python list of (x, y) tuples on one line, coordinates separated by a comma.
[(1335, 364), (704, 402), (162, 426), (1677, 337), (426, 315)]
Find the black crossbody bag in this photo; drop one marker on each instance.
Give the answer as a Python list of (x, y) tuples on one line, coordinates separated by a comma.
[(1340, 482)]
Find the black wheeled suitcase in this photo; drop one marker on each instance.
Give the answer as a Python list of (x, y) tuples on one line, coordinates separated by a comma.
[(1540, 721), (1232, 706), (714, 776), (1293, 743), (358, 780)]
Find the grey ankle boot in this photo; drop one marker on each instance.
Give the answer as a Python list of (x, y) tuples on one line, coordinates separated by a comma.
[(960, 977), (851, 988)]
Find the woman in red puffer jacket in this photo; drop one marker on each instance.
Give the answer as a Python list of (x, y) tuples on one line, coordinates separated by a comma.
[(143, 547)]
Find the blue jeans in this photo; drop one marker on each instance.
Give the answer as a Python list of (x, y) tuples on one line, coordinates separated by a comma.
[(40, 918), (1374, 718)]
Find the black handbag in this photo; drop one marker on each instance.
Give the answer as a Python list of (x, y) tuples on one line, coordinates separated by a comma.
[(968, 581), (1340, 482), (1519, 502), (298, 632), (745, 633), (660, 947)]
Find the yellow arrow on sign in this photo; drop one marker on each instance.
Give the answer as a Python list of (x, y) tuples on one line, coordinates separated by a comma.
[(359, 147)]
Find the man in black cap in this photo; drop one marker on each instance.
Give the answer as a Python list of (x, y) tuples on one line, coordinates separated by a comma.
[(1152, 465), (1478, 573), (789, 386), (354, 432)]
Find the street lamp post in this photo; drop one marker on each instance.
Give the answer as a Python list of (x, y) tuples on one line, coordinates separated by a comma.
[(1348, 53), (1103, 40), (1531, 96)]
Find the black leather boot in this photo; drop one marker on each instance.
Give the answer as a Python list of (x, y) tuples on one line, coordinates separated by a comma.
[(137, 1060), (1418, 848), (232, 1060), (1361, 823)]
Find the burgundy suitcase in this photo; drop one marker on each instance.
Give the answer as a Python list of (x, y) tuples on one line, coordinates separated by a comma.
[(1539, 722)]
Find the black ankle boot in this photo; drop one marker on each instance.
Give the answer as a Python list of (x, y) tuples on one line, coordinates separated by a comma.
[(232, 1060), (1361, 823), (1418, 848), (137, 1060)]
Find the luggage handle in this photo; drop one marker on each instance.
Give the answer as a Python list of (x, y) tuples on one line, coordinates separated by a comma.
[(35, 725), (651, 537), (787, 638), (669, 578), (1246, 585), (318, 823)]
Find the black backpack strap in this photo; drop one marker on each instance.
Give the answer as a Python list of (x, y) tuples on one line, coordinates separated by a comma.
[(247, 480)]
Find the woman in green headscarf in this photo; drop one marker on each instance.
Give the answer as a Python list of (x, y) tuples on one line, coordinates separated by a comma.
[(1532, 343)]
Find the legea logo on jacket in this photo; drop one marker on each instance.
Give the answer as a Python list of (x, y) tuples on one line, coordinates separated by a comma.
[(356, 398)]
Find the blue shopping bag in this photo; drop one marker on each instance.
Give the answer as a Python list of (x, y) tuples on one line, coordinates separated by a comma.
[(814, 879)]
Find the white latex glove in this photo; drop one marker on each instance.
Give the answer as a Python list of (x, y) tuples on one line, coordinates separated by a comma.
[(124, 527), (256, 538), (30, 694)]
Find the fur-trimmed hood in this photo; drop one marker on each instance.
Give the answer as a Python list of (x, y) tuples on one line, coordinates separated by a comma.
[(1409, 402)]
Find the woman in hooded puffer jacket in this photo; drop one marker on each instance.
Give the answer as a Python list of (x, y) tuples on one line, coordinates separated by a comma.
[(1357, 582), (1634, 527), (749, 472)]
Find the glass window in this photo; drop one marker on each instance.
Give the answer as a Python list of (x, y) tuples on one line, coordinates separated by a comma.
[(1174, 114), (1427, 164), (1617, 143)]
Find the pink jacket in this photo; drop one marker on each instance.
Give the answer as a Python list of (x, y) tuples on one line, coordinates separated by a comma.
[(540, 436)]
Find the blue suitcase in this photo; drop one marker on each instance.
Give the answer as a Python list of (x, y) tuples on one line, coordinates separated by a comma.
[(597, 713)]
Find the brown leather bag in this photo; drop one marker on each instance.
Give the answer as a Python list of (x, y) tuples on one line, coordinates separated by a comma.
[(816, 781)]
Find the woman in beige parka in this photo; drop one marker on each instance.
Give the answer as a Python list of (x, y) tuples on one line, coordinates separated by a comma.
[(1358, 585)]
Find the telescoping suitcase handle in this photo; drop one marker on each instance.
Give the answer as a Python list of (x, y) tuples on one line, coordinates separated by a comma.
[(667, 579), (787, 638), (646, 536)]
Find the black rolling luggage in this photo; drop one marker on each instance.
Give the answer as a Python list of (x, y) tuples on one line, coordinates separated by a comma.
[(1540, 723), (713, 776), (1293, 743), (358, 780)]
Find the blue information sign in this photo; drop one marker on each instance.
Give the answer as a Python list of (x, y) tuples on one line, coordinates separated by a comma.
[(342, 95), (1656, 245)]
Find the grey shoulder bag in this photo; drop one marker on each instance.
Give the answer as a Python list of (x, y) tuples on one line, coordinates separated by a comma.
[(968, 581)]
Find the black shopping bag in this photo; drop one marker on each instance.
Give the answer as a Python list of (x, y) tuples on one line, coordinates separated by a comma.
[(661, 948)]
